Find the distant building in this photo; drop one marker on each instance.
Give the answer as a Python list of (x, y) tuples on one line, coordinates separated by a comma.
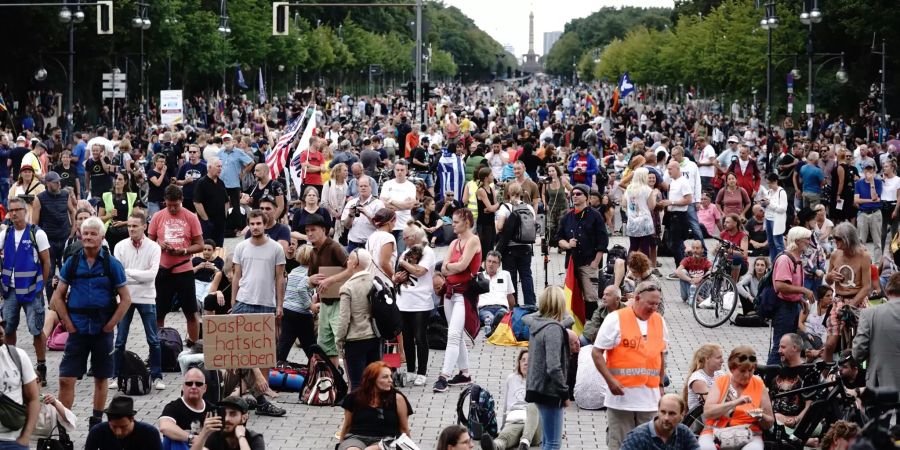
[(550, 38), (508, 48)]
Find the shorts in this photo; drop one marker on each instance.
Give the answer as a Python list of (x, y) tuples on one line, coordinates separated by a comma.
[(34, 313), (78, 346), (170, 284), (329, 318), (246, 308), (357, 441)]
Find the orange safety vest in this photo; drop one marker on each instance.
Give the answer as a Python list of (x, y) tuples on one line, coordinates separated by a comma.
[(754, 389), (636, 361)]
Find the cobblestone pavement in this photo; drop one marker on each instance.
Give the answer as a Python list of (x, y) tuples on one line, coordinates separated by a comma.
[(307, 427)]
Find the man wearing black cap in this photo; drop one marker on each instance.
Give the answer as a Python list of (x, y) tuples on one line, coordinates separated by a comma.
[(229, 432), (121, 430), (326, 253), (54, 212), (582, 233)]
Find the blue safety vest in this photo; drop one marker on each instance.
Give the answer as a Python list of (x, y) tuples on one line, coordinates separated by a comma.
[(22, 265)]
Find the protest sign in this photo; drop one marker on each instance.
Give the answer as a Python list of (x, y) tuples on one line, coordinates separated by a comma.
[(239, 341)]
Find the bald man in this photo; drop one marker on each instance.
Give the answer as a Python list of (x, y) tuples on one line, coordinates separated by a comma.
[(265, 187), (667, 432)]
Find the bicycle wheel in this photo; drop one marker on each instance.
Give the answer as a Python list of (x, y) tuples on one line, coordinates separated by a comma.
[(715, 301)]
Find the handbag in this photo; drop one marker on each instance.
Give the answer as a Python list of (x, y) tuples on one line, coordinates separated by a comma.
[(479, 284), (62, 442), (12, 414), (733, 437), (402, 442)]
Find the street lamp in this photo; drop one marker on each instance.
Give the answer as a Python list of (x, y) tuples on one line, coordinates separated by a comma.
[(141, 21), (809, 18), (224, 30), (768, 23), (67, 17)]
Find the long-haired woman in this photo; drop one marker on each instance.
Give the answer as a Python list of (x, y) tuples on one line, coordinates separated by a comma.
[(374, 411), (519, 420), (706, 365), (334, 196), (638, 205), (555, 196), (487, 207), (115, 209)]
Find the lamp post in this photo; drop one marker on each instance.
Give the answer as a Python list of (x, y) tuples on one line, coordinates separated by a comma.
[(884, 126), (768, 23), (171, 21), (224, 29), (70, 18), (141, 21), (810, 16)]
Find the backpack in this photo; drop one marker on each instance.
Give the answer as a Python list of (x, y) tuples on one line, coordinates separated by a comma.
[(481, 418), (766, 300), (134, 376), (171, 346), (386, 321), (58, 337), (523, 224), (519, 329), (105, 255), (320, 389)]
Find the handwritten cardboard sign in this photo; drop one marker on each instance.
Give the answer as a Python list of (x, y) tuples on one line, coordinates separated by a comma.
[(239, 341), (334, 290)]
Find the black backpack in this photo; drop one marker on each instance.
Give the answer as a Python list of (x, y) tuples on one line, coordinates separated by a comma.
[(482, 418), (170, 346), (134, 376), (525, 231), (766, 300), (386, 319)]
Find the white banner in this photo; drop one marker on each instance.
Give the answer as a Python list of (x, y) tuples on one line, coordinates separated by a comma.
[(172, 109)]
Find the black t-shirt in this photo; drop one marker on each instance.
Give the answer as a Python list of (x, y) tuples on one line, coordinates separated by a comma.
[(785, 176), (273, 189), (120, 204), (216, 441), (419, 154), (156, 193), (101, 181), (789, 379), (186, 418), (378, 422), (143, 437), (213, 196), (429, 220), (67, 177), (207, 274)]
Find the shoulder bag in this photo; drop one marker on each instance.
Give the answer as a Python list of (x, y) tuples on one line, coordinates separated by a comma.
[(732, 437), (12, 414)]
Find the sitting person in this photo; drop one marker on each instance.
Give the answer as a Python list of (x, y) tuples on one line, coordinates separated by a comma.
[(756, 231), (121, 430), (519, 420), (431, 222), (812, 325), (255, 387), (639, 272), (610, 301), (501, 299), (691, 271), (218, 300), (706, 366), (748, 285), (794, 374), (374, 411), (229, 432), (53, 418), (666, 427), (205, 269), (182, 419)]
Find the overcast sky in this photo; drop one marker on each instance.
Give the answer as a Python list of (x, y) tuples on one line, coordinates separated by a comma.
[(507, 20)]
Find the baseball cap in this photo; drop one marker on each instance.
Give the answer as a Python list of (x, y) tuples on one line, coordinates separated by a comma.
[(234, 402), (21, 139), (226, 136), (733, 139), (51, 177), (868, 165)]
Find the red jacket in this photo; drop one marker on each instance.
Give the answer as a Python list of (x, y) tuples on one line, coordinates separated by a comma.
[(749, 179)]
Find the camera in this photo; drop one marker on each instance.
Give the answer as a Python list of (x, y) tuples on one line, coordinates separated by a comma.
[(544, 179), (354, 211)]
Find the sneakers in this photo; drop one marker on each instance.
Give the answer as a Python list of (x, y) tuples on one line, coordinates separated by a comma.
[(113, 384), (672, 276), (158, 384), (523, 446), (419, 381), (41, 370), (269, 409), (441, 384), (251, 401), (460, 380), (487, 442), (706, 304)]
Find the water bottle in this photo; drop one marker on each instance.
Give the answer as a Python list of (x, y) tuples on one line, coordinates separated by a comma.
[(692, 292)]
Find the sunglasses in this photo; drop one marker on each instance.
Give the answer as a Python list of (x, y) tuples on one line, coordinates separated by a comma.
[(744, 358), (650, 288), (577, 194), (194, 383)]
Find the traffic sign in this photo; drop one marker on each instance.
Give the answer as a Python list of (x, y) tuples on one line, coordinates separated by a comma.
[(114, 85)]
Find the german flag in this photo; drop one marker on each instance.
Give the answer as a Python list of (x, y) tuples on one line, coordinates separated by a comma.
[(503, 334), (2, 104), (574, 300)]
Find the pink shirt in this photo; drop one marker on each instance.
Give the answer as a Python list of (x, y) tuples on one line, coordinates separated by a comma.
[(176, 230), (786, 271), (709, 217)]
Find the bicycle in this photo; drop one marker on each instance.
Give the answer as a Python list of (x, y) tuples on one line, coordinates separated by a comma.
[(716, 295)]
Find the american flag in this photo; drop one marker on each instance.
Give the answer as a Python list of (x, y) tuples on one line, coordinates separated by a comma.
[(277, 157)]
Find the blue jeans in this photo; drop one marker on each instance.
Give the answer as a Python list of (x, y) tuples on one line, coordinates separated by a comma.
[(84, 192), (776, 243), (4, 191), (491, 315), (785, 321), (694, 223), (551, 426), (520, 266), (12, 445), (56, 252), (353, 246), (398, 237), (246, 308), (148, 317)]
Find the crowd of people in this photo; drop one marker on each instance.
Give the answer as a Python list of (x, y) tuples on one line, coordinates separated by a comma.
[(110, 221)]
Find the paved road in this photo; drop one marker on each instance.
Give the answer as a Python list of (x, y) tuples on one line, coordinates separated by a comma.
[(308, 427)]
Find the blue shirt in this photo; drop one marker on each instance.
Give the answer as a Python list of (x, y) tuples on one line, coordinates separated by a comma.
[(4, 156), (92, 292), (864, 191), (644, 437), (812, 177), (233, 163), (78, 153)]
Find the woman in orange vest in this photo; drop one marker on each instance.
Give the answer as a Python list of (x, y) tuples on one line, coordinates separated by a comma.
[(737, 399)]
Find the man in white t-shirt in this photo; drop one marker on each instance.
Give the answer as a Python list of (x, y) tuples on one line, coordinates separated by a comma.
[(691, 172), (632, 373), (27, 250), (19, 383), (497, 158), (706, 163), (681, 194), (399, 194), (500, 299), (258, 284)]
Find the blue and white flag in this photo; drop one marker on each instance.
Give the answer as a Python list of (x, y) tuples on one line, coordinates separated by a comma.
[(239, 79), (625, 86), (262, 87)]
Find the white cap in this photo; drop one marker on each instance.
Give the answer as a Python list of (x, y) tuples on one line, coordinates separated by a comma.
[(226, 136)]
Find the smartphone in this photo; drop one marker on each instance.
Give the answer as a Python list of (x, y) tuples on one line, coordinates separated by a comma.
[(220, 411)]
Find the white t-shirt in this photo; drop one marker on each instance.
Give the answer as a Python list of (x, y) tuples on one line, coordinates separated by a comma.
[(399, 192), (41, 242), (889, 190), (362, 227), (11, 382), (694, 399), (257, 284), (375, 245), (501, 286), (707, 154), (417, 296), (506, 209), (636, 398), (677, 190)]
